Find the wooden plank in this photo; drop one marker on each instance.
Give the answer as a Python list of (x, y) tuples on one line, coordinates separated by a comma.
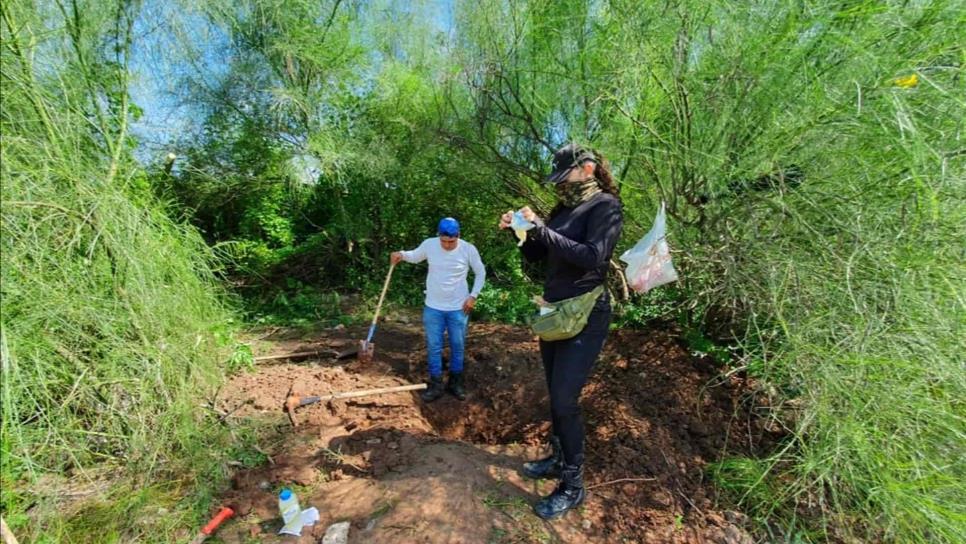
[(369, 392), (297, 355)]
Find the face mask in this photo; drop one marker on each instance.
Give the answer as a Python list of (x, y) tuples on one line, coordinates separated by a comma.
[(572, 193)]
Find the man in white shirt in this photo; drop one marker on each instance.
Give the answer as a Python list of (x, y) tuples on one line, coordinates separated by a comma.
[(448, 301)]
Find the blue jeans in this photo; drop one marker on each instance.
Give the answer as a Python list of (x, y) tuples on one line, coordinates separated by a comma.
[(436, 322)]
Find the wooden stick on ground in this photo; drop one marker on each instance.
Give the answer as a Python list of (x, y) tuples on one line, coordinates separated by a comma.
[(293, 401), (5, 532), (296, 355), (368, 392), (619, 480)]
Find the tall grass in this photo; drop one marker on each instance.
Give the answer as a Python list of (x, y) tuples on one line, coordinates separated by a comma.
[(111, 327), (852, 284)]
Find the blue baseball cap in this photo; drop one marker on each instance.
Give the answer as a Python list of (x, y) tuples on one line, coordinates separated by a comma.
[(449, 227)]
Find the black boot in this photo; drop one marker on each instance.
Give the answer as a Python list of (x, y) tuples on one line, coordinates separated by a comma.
[(568, 495), (548, 467), (434, 391), (455, 385)]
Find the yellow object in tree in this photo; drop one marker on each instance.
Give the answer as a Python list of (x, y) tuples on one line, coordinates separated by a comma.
[(907, 82)]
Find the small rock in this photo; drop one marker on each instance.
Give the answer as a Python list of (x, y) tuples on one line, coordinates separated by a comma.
[(337, 407), (714, 518), (315, 534), (662, 499), (305, 476), (162, 511), (698, 427), (715, 534), (736, 517), (392, 445), (243, 507), (339, 327), (337, 533), (371, 525), (734, 535), (374, 441), (264, 485), (586, 524)]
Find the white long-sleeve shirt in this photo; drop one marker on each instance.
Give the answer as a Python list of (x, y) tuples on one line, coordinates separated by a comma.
[(446, 287)]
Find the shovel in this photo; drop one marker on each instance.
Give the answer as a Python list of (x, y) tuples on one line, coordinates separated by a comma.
[(366, 347)]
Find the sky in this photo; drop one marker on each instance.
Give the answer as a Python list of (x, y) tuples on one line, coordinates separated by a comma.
[(160, 67)]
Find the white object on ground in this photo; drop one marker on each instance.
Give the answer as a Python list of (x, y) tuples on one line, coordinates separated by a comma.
[(649, 261), (307, 518), (337, 533)]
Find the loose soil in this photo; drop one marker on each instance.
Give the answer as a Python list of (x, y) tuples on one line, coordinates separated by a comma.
[(403, 471)]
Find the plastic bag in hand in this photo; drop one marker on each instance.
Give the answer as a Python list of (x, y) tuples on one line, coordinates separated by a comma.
[(520, 226), (649, 261)]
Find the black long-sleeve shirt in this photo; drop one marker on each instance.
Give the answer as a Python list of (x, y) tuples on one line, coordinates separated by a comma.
[(577, 244)]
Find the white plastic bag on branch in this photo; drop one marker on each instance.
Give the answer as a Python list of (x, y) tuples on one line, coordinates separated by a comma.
[(649, 261)]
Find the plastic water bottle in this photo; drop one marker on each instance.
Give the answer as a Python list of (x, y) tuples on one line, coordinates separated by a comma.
[(288, 505)]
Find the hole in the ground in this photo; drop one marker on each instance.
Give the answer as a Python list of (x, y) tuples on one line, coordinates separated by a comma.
[(649, 408), (506, 397)]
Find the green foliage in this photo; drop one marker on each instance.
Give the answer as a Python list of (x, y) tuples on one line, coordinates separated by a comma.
[(241, 358), (513, 305), (702, 346), (297, 305), (110, 314), (657, 305), (746, 480)]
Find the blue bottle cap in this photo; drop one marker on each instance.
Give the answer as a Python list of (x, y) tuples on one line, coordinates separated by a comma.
[(286, 494)]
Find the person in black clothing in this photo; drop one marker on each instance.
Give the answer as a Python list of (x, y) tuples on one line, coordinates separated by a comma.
[(576, 242)]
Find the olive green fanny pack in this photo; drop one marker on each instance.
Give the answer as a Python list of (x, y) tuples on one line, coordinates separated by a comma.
[(566, 318)]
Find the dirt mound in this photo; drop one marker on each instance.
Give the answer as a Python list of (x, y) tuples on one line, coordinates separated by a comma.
[(404, 471)]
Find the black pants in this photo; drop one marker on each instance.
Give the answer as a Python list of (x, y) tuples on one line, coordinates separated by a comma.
[(567, 364)]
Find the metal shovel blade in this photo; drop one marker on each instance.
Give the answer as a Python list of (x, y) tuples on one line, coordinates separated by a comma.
[(366, 350)]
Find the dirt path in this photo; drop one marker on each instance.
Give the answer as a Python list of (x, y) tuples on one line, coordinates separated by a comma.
[(403, 471)]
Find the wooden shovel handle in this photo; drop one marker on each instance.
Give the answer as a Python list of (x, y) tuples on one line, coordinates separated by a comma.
[(382, 296), (6, 533), (368, 392)]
